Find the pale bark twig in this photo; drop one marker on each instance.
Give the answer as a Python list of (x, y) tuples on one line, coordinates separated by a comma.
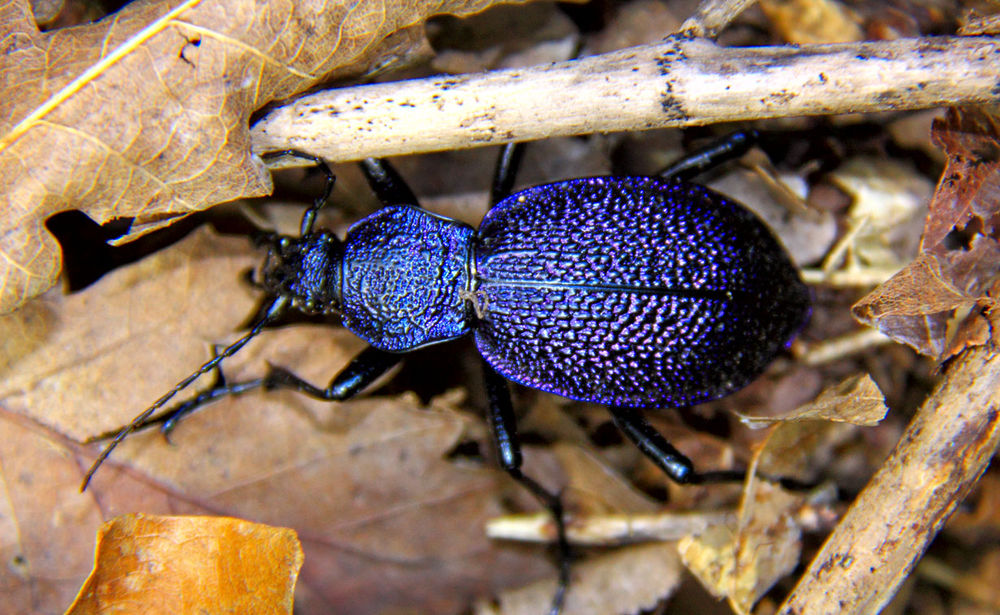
[(679, 82)]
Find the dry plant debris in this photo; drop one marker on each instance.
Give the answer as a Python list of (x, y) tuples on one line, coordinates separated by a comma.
[(389, 494), (946, 299)]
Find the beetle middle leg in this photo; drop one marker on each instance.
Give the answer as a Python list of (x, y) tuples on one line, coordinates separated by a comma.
[(508, 445)]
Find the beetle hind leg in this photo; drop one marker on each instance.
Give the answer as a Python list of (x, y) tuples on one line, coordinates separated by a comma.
[(674, 464)]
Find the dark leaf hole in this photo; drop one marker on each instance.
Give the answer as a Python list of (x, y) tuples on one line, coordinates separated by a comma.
[(961, 238), (87, 255)]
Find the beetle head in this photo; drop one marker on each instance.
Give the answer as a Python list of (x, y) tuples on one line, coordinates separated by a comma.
[(306, 269)]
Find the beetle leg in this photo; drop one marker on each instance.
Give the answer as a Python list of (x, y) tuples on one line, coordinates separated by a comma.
[(506, 170), (309, 216), (504, 428), (363, 370), (386, 183), (727, 148), (652, 444)]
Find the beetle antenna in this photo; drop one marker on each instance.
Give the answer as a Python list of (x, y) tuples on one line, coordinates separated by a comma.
[(276, 308)]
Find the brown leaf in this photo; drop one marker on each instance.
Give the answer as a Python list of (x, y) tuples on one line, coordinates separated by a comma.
[(938, 303), (145, 114), (386, 520), (153, 564), (970, 184), (628, 580), (47, 529)]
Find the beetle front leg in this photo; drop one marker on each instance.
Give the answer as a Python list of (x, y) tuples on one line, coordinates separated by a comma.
[(309, 215), (504, 428), (362, 371), (386, 183)]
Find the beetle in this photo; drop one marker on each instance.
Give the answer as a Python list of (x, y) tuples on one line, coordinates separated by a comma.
[(633, 292)]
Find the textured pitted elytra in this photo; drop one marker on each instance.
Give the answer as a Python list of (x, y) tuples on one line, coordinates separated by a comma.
[(404, 278), (632, 291)]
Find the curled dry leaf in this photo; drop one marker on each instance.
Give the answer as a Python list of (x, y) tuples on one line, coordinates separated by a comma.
[(889, 203), (154, 564), (856, 400), (946, 299), (145, 114), (742, 562), (802, 440)]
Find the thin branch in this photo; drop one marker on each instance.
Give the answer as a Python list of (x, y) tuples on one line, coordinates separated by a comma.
[(939, 458), (679, 82)]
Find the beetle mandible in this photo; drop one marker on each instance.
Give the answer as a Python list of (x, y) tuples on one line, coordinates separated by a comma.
[(634, 292)]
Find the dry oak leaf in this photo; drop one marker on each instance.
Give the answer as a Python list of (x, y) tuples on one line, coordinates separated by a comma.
[(386, 521), (145, 113), (946, 298), (154, 564)]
